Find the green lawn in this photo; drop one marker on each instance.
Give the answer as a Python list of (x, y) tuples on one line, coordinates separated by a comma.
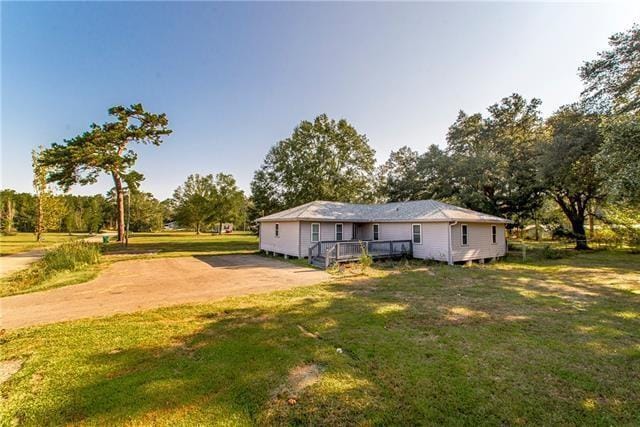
[(21, 242), (181, 243), (540, 343)]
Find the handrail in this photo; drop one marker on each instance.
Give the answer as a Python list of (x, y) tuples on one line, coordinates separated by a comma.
[(337, 250), (315, 247), (328, 257)]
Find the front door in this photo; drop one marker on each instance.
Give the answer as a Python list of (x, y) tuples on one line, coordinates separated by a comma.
[(354, 231)]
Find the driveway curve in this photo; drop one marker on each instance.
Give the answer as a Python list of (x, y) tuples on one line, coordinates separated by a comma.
[(129, 286)]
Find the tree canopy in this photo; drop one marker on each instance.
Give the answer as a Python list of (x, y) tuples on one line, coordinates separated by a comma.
[(322, 160), (619, 157), (493, 158), (489, 163), (408, 175), (612, 81)]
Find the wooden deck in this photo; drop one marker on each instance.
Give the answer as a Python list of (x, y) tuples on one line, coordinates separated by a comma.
[(325, 253)]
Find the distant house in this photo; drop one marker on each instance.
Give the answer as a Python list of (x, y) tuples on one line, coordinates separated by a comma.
[(327, 232)]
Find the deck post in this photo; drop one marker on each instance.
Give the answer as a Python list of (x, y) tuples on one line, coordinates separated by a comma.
[(338, 250), (391, 248), (411, 248)]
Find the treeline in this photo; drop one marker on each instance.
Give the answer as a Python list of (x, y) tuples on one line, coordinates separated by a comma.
[(202, 203), (79, 214)]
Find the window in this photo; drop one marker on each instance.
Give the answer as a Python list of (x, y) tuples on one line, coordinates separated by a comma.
[(376, 231), (465, 235), (354, 231), (277, 230), (494, 234), (338, 231), (417, 233), (315, 232)]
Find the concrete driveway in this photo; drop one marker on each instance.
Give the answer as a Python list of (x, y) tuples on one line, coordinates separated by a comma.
[(129, 286)]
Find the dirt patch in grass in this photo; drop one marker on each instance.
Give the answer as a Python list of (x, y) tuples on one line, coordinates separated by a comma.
[(8, 368), (299, 378)]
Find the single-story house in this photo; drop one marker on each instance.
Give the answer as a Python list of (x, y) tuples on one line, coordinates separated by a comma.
[(427, 229)]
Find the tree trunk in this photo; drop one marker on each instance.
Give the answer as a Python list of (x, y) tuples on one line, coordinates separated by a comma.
[(577, 225), (197, 229), (39, 220), (220, 229), (119, 206), (575, 210)]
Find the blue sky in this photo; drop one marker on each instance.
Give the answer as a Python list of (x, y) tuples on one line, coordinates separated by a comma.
[(235, 78)]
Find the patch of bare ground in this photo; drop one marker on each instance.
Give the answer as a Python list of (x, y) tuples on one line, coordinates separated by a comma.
[(299, 378), (8, 368)]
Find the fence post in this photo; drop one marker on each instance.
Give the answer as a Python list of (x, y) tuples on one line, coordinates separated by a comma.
[(338, 250), (391, 248)]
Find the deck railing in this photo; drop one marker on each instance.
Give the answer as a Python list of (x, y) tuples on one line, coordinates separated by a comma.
[(350, 250)]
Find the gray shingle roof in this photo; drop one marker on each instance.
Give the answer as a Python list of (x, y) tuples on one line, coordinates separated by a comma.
[(418, 211)]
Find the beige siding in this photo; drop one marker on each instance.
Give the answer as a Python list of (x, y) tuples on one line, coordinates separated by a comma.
[(435, 238), (435, 242), (327, 232), (286, 243), (394, 231), (479, 243)]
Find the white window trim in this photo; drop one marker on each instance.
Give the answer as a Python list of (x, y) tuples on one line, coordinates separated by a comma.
[(413, 234), (335, 234), (312, 224), (373, 231), (462, 235), (276, 230), (494, 237)]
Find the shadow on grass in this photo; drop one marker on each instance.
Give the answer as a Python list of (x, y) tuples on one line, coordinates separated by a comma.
[(457, 346)]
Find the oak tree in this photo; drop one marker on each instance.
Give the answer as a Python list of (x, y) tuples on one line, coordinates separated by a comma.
[(322, 160), (567, 165)]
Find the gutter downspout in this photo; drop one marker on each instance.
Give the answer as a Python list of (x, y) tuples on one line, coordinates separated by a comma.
[(450, 255)]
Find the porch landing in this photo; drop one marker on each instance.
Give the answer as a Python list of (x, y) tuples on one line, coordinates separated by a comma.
[(325, 253)]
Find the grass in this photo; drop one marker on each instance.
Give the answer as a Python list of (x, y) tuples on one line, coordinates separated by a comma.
[(65, 264), (544, 342), (180, 243), (22, 242)]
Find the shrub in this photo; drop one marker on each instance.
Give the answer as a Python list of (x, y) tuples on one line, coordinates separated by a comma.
[(365, 258), (549, 253), (71, 256)]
